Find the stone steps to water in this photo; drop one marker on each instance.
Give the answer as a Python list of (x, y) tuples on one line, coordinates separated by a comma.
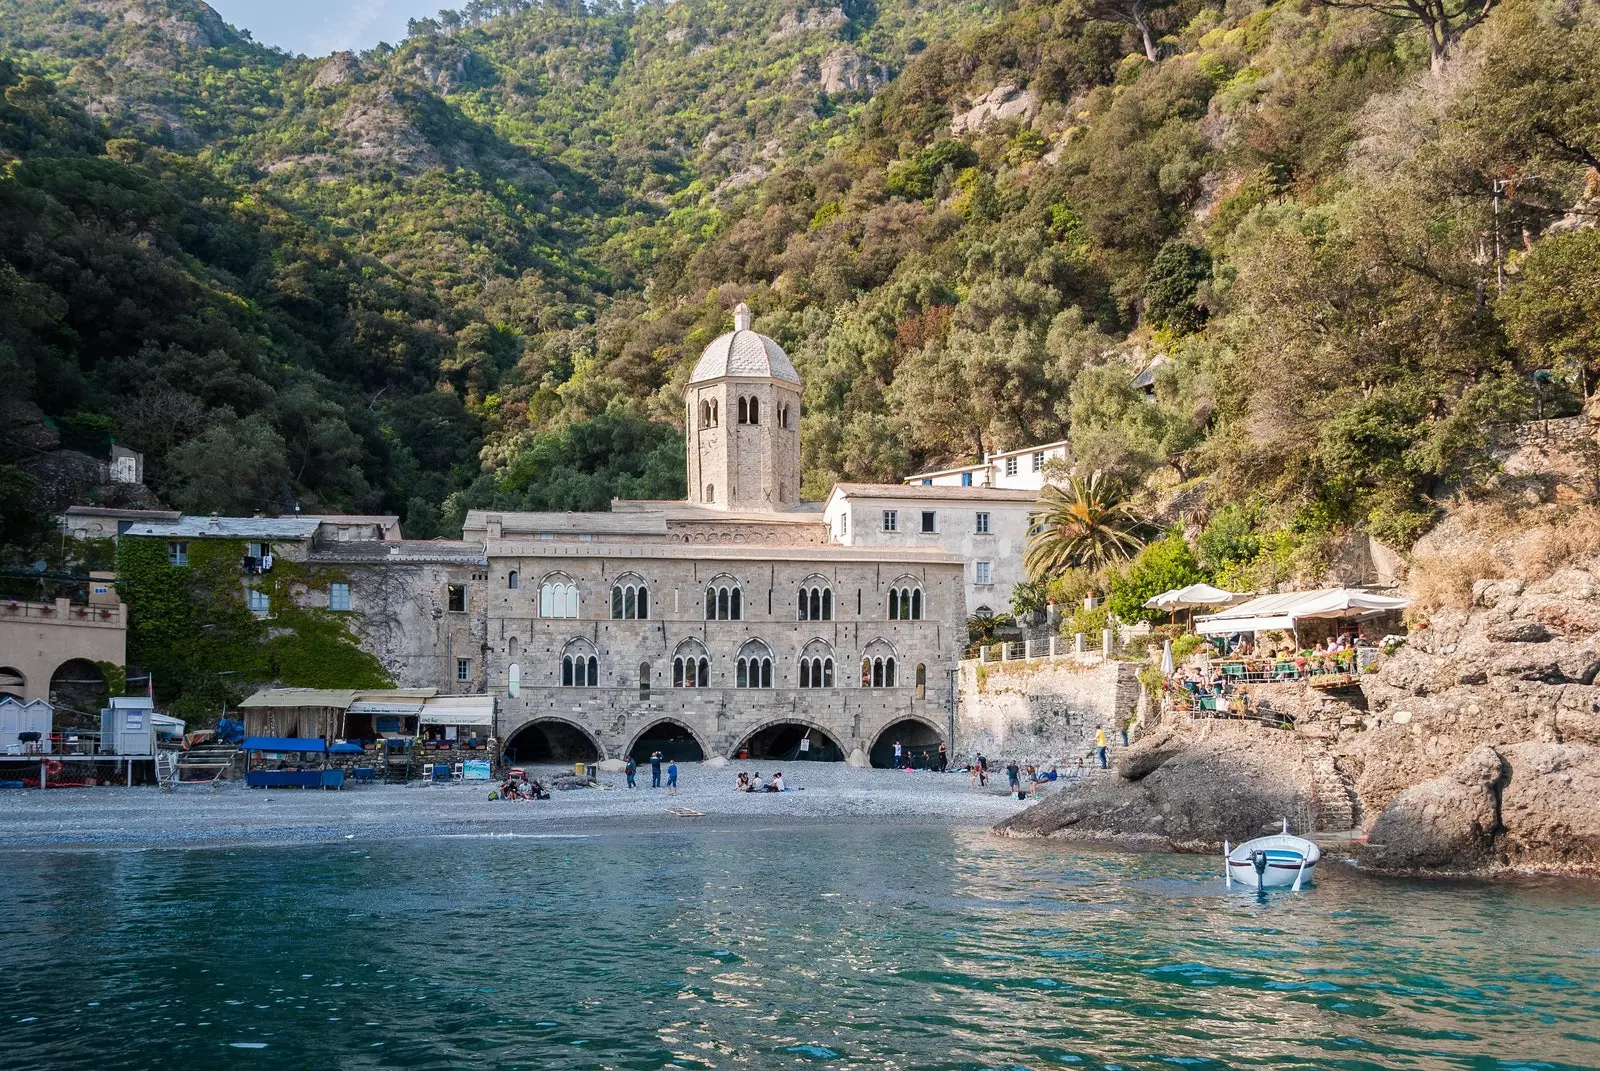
[(1336, 808)]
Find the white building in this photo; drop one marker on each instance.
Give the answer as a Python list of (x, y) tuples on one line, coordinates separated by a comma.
[(1010, 469), (987, 527)]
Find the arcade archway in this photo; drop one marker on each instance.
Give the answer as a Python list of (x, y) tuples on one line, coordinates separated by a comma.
[(919, 745), (13, 683), (790, 741), (551, 740), (675, 741), (78, 690)]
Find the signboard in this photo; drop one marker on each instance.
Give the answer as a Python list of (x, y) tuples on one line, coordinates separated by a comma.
[(134, 721), (475, 770)]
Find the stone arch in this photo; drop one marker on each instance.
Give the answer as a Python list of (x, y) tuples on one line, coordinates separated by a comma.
[(691, 665), (815, 599), (906, 599), (13, 682), (673, 738), (547, 738), (630, 597), (753, 664), (779, 740), (917, 735), (724, 598), (78, 686)]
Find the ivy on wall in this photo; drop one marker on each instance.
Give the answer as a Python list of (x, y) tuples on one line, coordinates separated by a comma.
[(191, 626)]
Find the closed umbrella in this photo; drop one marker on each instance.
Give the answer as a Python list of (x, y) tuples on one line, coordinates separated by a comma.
[(1166, 658)]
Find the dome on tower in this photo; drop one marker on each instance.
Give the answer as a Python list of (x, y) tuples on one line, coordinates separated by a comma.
[(744, 353)]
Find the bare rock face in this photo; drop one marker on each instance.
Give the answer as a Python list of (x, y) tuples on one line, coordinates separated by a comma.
[(844, 70), (1004, 101), (339, 69), (1550, 806), (1193, 789), (1446, 822), (810, 20)]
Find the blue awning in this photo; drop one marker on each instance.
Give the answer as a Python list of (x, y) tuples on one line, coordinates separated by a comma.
[(346, 749), (283, 743)]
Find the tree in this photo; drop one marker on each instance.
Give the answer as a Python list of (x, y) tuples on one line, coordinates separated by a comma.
[(1170, 286), (1135, 13), (236, 466), (1084, 524), (1164, 565), (1551, 311), (1444, 21)]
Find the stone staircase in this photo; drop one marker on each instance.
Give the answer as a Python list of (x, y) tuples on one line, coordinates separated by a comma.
[(1336, 806)]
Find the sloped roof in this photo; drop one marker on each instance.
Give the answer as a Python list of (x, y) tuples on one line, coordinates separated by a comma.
[(193, 527), (746, 355), (935, 492)]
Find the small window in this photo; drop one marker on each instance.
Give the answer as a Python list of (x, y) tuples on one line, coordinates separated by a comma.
[(644, 680), (922, 681), (981, 572), (929, 519), (463, 669), (966, 479), (259, 601), (514, 680), (744, 410), (1038, 461), (513, 580), (755, 411), (177, 553), (458, 600), (982, 527), (1011, 466), (891, 520), (711, 492), (338, 596), (844, 524)]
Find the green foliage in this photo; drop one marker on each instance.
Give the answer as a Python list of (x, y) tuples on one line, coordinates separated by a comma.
[(191, 626), (1028, 597), (1172, 284), (1084, 524), (1229, 537), (1163, 565), (1551, 310)]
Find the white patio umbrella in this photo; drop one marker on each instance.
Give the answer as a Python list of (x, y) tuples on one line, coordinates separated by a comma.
[(1191, 597)]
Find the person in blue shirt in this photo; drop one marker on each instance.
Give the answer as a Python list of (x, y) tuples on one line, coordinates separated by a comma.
[(672, 778), (655, 769), (632, 769)]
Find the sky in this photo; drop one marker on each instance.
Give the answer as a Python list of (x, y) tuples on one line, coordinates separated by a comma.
[(318, 27)]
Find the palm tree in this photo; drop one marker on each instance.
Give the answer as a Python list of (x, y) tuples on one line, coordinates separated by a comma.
[(1083, 524)]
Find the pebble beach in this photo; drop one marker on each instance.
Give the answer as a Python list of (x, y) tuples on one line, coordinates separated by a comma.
[(147, 818)]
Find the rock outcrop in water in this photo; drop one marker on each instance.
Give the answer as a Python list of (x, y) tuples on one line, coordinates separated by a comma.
[(1476, 746)]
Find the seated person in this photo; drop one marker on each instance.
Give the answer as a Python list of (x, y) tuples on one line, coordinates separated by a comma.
[(756, 784), (743, 783), (776, 784)]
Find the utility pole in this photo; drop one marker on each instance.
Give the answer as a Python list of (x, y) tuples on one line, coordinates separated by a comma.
[(1499, 263)]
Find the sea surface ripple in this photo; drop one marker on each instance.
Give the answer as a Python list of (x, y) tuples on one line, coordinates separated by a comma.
[(815, 947)]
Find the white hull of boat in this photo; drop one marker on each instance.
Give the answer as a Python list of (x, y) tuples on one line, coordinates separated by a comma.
[(1279, 861)]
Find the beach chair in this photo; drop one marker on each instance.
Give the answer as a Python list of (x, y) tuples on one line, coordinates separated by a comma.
[(458, 772), (441, 773)]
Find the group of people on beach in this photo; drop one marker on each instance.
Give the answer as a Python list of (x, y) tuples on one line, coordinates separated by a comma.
[(632, 770), (746, 783), (925, 760)]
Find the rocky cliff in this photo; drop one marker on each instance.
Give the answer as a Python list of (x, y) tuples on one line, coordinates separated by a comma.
[(1473, 747)]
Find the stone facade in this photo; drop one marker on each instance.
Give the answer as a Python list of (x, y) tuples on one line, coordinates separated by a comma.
[(1042, 711)]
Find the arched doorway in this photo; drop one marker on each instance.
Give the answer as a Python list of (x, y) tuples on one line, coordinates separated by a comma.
[(13, 682), (551, 741), (919, 744), (78, 690), (675, 742), (791, 741)]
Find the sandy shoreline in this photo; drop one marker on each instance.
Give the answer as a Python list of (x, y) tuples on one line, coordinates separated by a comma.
[(146, 818)]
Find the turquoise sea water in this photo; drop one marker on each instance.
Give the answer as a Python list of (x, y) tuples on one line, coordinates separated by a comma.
[(812, 947)]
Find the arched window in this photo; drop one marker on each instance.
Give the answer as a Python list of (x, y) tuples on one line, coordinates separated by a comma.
[(630, 598), (816, 599), (644, 680), (922, 681), (744, 410), (816, 665), (783, 416), (513, 680), (513, 580), (711, 492), (755, 411), (905, 600), (715, 416), (724, 599), (754, 666), (580, 668), (691, 666), (558, 596), (878, 664)]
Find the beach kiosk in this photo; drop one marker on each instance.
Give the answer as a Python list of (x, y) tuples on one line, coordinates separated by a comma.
[(289, 762)]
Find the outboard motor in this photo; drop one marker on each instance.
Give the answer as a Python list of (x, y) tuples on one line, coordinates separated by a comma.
[(1258, 859)]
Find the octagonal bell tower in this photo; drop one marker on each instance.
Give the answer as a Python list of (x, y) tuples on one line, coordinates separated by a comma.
[(742, 410)]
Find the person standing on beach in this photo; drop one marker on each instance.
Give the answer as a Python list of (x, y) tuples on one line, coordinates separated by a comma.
[(897, 754), (632, 769), (983, 770), (1100, 744), (672, 778), (655, 769), (1013, 774), (944, 758)]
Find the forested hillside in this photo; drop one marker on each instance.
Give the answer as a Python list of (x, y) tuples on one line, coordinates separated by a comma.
[(474, 267)]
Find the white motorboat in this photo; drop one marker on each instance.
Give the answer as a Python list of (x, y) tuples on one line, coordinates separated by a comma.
[(1271, 862)]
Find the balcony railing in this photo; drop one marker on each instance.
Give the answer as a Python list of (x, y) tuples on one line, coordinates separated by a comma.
[(61, 612)]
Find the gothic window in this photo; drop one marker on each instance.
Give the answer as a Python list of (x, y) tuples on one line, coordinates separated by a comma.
[(724, 599), (816, 599), (644, 680), (878, 662), (905, 600), (816, 665), (705, 414), (744, 410), (691, 666), (514, 680), (558, 596), (753, 669), (580, 668), (513, 580), (630, 598), (783, 416), (922, 681), (755, 411)]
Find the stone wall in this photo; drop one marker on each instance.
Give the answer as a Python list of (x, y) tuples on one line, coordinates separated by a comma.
[(1041, 711)]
